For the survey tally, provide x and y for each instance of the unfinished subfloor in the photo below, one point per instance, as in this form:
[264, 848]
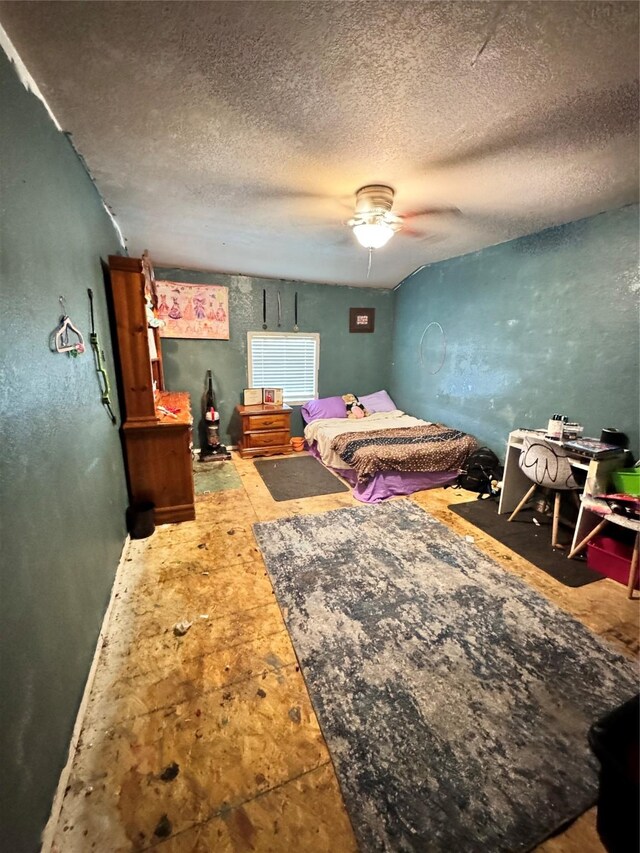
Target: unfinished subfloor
[208, 741]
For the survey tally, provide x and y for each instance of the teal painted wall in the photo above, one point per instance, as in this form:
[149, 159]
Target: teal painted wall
[62, 486]
[541, 324]
[547, 323]
[359, 363]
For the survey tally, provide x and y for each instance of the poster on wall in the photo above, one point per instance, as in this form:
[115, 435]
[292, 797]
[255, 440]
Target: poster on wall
[193, 310]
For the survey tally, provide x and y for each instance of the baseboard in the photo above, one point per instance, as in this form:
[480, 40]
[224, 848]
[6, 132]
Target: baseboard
[195, 451]
[49, 831]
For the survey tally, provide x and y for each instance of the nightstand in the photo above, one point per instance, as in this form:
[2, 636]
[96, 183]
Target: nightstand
[265, 430]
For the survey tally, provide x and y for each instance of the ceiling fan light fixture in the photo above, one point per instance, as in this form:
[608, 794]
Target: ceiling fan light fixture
[373, 235]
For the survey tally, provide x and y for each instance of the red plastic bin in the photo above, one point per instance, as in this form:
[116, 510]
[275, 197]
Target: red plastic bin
[611, 557]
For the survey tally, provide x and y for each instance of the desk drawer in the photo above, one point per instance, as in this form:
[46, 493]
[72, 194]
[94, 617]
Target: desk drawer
[275, 421]
[266, 439]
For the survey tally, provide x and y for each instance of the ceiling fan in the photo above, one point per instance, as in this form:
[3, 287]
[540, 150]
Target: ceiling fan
[373, 222]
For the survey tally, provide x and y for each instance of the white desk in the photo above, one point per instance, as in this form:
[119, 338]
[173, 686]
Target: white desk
[515, 484]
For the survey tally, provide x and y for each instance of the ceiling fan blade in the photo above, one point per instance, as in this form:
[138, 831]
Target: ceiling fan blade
[290, 193]
[433, 211]
[264, 192]
[411, 232]
[590, 117]
[423, 236]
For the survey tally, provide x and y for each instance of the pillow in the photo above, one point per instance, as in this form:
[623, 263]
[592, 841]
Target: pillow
[325, 407]
[378, 402]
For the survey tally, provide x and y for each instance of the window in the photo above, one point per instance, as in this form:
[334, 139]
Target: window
[285, 360]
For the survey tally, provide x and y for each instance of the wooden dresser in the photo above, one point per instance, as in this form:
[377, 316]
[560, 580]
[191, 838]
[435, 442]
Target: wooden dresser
[265, 430]
[157, 445]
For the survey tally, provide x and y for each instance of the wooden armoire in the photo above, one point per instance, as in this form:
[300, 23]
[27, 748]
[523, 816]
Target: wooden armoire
[157, 445]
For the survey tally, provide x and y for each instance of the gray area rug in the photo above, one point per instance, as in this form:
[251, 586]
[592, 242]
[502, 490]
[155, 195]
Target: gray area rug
[294, 477]
[454, 699]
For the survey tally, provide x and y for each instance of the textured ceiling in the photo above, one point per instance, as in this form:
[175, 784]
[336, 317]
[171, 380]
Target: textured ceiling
[232, 136]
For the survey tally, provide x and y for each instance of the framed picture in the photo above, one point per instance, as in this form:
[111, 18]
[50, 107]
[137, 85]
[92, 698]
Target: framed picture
[193, 310]
[252, 396]
[361, 319]
[272, 396]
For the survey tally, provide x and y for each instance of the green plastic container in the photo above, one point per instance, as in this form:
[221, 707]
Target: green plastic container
[627, 481]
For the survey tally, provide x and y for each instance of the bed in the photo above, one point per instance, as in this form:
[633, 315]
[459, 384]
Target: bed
[387, 453]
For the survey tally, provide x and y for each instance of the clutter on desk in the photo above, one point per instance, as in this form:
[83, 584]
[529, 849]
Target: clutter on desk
[611, 435]
[593, 449]
[556, 426]
[560, 428]
[168, 411]
[572, 431]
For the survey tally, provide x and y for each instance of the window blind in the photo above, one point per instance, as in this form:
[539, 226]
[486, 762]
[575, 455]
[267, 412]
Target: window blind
[287, 361]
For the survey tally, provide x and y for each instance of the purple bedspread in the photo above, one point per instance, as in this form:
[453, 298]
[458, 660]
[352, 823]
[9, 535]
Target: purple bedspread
[386, 484]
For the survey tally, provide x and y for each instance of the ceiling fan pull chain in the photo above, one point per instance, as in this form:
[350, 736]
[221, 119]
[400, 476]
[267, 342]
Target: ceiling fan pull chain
[369, 263]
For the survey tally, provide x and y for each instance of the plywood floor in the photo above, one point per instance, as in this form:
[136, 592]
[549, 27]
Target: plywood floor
[208, 741]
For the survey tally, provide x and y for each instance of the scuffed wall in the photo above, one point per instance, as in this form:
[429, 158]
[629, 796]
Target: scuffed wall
[349, 362]
[62, 486]
[547, 323]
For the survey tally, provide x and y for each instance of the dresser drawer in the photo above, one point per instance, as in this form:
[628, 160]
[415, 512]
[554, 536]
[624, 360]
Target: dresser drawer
[263, 430]
[275, 421]
[265, 439]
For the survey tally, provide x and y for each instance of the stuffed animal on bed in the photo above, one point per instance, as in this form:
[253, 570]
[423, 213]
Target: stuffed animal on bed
[355, 409]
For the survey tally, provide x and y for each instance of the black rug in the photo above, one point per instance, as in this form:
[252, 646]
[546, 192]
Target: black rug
[527, 539]
[297, 477]
[454, 699]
